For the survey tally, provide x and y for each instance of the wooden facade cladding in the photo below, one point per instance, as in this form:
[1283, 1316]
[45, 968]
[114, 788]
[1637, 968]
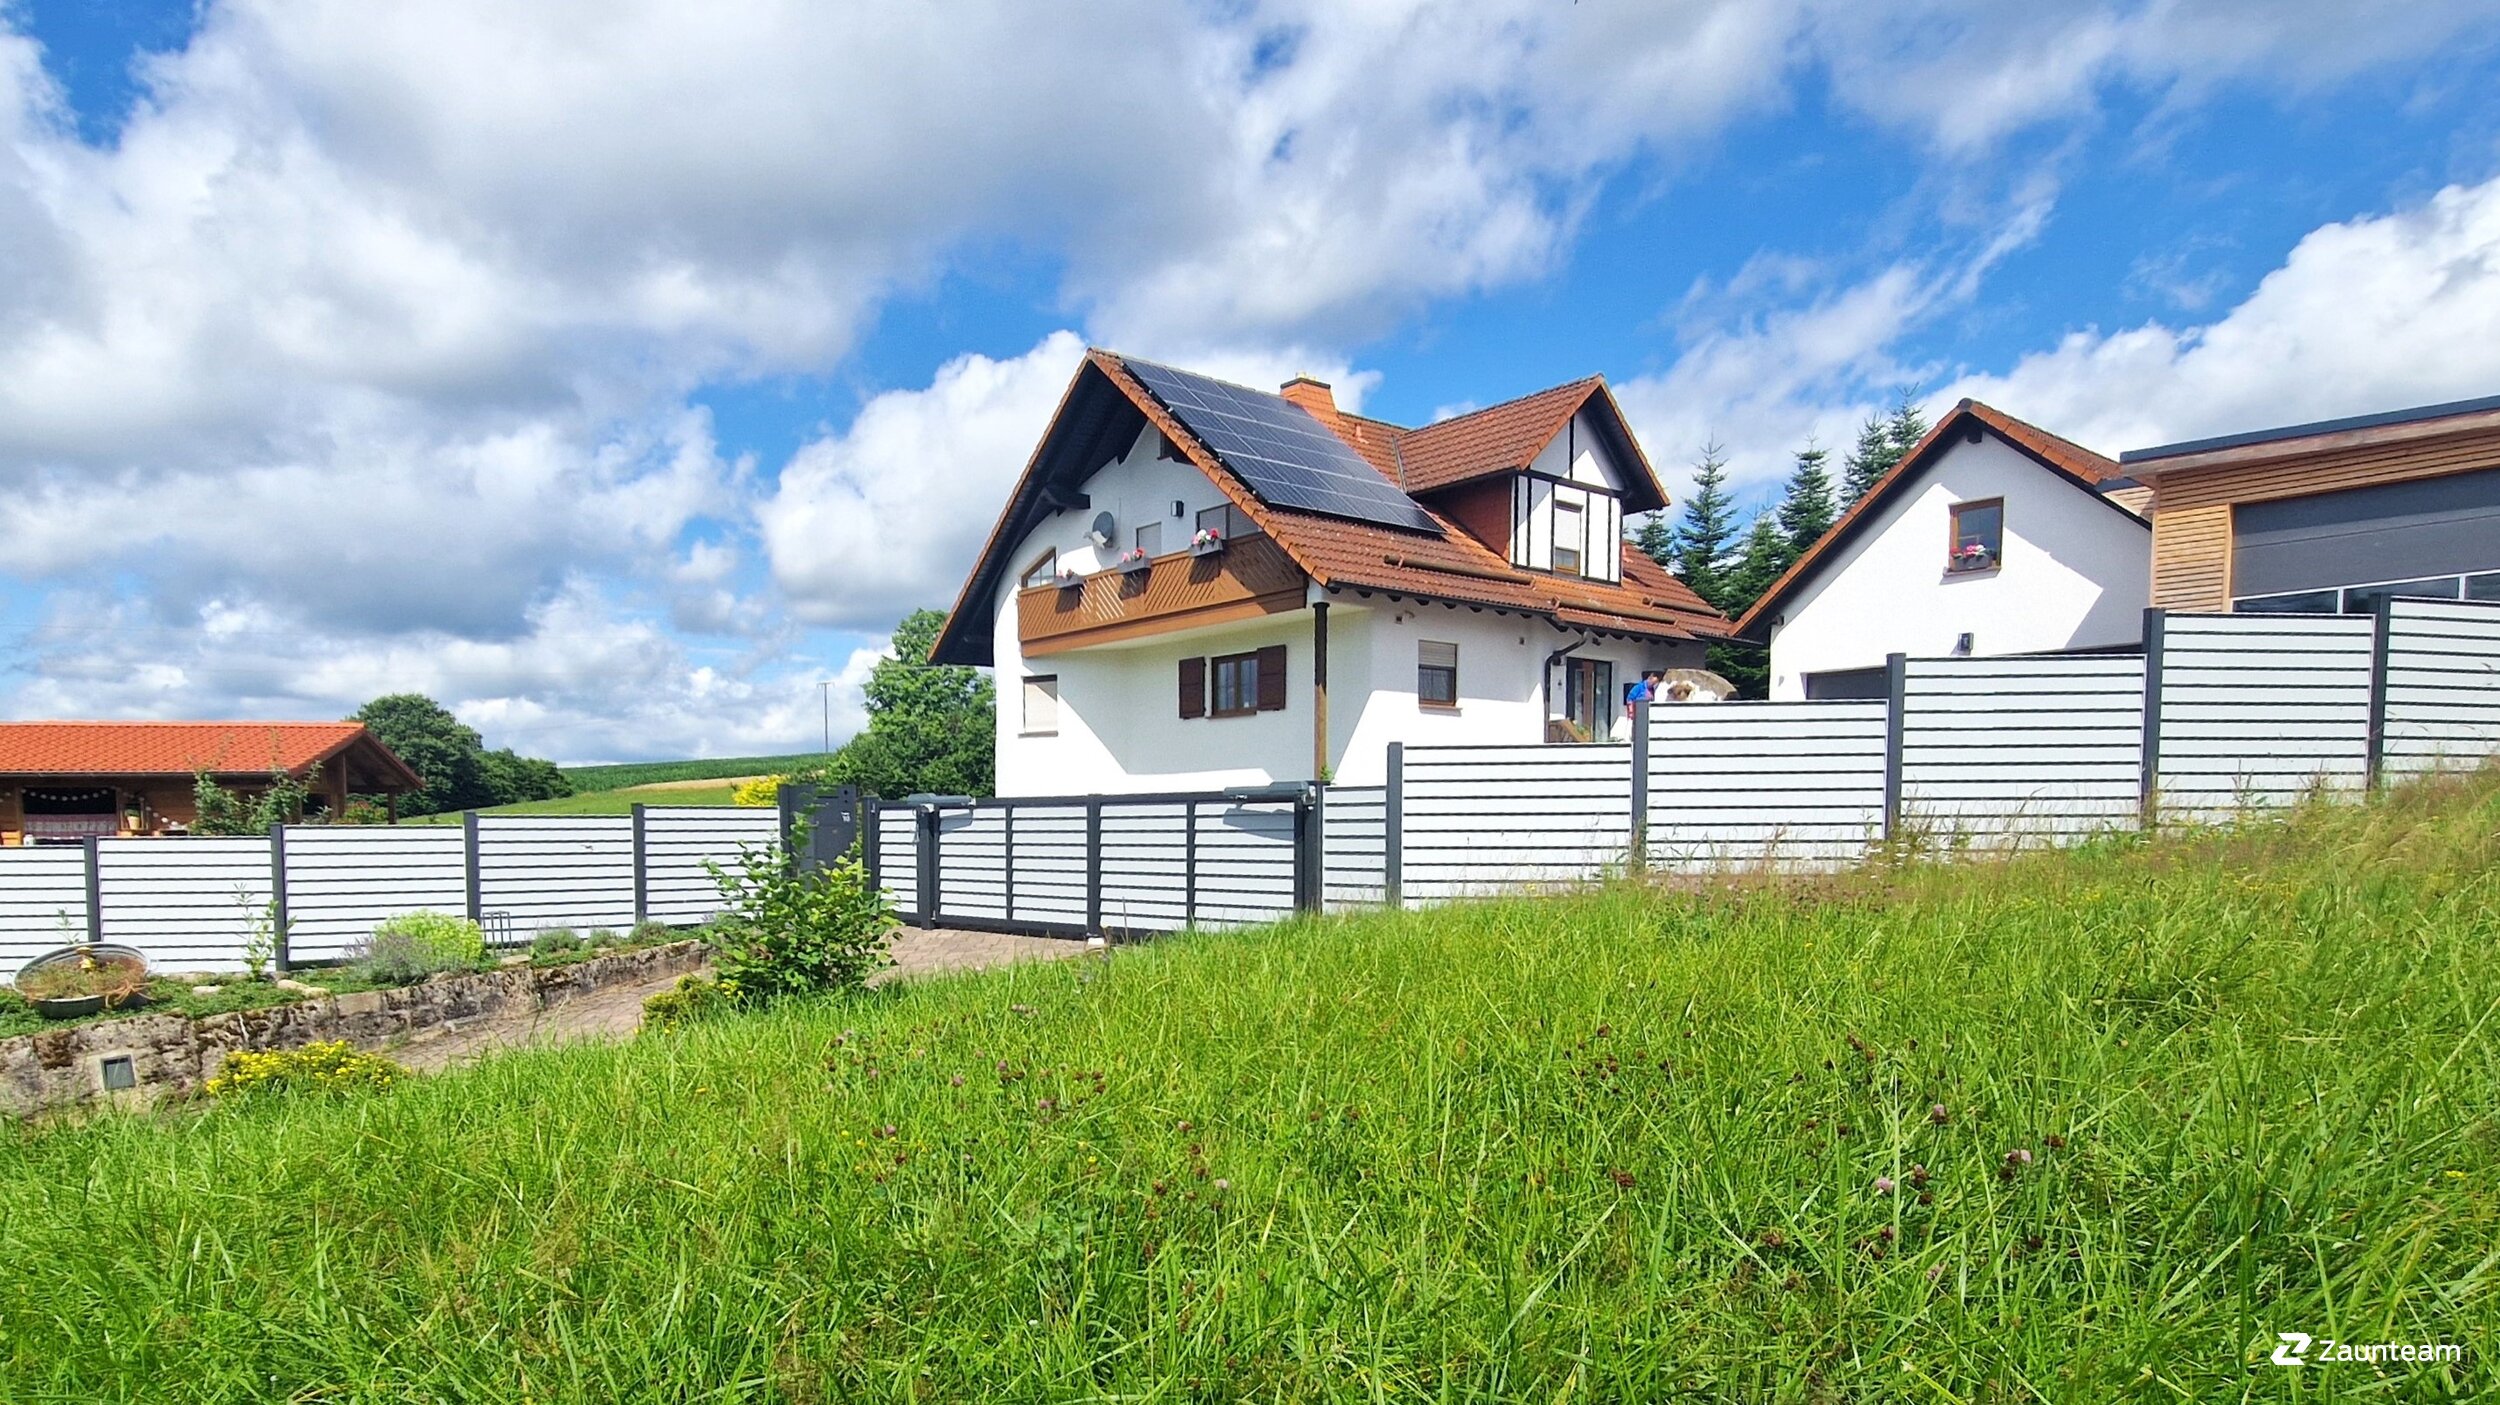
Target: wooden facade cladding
[2193, 494]
[2192, 558]
[1248, 578]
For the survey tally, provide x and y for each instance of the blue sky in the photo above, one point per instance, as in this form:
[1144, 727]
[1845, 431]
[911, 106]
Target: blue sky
[615, 372]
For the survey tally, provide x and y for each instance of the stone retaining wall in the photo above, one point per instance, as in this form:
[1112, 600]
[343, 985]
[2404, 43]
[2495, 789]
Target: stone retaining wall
[172, 1053]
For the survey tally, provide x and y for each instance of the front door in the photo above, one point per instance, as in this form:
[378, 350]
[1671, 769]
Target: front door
[1589, 698]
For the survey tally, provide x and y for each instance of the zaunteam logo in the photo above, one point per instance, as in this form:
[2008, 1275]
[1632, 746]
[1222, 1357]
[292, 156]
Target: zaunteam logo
[2302, 1349]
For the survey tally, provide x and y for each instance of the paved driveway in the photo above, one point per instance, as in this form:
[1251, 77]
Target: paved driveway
[921, 952]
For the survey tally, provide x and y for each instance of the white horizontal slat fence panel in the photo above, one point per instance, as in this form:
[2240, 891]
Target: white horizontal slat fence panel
[1145, 866]
[188, 903]
[1477, 819]
[1244, 864]
[898, 857]
[972, 864]
[557, 871]
[1785, 785]
[1047, 867]
[2443, 685]
[343, 880]
[2013, 750]
[2258, 710]
[1354, 856]
[678, 840]
[43, 901]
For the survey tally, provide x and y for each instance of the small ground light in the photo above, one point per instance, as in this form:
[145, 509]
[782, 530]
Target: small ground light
[119, 1073]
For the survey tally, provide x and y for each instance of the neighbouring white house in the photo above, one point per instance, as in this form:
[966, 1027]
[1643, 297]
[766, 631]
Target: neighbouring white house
[1196, 584]
[1991, 536]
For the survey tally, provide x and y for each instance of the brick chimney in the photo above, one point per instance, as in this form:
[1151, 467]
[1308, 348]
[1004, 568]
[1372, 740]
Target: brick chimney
[1312, 395]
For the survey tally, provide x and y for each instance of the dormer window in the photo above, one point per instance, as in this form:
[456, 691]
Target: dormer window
[1571, 535]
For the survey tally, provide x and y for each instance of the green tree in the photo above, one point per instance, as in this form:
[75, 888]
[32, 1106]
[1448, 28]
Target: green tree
[511, 777]
[217, 810]
[460, 773]
[1869, 460]
[1907, 425]
[931, 727]
[1696, 550]
[1765, 554]
[1806, 510]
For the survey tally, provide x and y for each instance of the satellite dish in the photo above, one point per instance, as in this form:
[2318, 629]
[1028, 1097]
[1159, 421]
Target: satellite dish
[1102, 529]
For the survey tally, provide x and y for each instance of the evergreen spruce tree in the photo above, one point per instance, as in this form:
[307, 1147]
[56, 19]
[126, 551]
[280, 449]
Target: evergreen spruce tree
[1806, 511]
[1869, 460]
[1907, 426]
[1697, 548]
[1765, 554]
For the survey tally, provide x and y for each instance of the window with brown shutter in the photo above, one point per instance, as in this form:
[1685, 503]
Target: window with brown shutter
[1194, 687]
[1272, 678]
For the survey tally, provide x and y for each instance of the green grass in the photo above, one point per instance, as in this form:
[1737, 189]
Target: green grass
[596, 802]
[633, 773]
[1621, 1146]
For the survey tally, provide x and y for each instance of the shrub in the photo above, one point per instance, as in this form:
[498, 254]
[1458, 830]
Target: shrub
[602, 936]
[554, 941]
[694, 998]
[761, 793]
[795, 931]
[332, 1066]
[414, 945]
[651, 933]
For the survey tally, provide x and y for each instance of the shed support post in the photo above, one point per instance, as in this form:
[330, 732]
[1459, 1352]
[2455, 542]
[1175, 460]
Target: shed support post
[1640, 784]
[277, 913]
[1393, 830]
[469, 853]
[2382, 622]
[2148, 782]
[95, 895]
[642, 868]
[1896, 688]
[1093, 867]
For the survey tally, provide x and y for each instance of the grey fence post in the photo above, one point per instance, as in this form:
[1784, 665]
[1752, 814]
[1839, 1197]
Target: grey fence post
[926, 817]
[1393, 829]
[642, 869]
[477, 886]
[95, 895]
[871, 831]
[1308, 836]
[2148, 784]
[1189, 863]
[1093, 867]
[277, 898]
[1896, 689]
[1640, 784]
[2382, 623]
[1007, 867]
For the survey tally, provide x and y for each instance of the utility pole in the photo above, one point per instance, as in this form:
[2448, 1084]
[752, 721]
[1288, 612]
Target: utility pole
[824, 694]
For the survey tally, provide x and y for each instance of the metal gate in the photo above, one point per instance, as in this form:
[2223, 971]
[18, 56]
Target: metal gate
[1088, 865]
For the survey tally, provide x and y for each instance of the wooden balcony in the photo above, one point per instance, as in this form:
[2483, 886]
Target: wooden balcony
[1249, 578]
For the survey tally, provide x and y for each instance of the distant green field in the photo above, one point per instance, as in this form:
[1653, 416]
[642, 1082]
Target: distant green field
[601, 802]
[588, 778]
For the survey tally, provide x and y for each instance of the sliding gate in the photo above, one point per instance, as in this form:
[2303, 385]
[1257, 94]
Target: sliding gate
[1091, 865]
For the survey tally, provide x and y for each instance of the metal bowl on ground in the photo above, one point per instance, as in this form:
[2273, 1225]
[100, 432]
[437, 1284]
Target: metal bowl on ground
[71, 1007]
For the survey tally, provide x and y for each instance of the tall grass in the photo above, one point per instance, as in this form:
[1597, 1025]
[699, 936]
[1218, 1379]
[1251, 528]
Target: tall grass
[1631, 1145]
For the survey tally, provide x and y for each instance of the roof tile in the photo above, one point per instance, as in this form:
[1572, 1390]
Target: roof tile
[169, 748]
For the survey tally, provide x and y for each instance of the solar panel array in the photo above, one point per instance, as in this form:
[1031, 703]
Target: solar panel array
[1286, 456]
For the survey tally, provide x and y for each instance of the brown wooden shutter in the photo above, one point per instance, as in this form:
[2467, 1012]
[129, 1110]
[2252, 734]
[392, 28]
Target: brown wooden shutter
[1272, 678]
[1194, 687]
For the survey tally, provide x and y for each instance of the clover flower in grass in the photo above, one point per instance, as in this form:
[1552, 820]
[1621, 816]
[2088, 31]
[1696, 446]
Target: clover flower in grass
[1883, 1185]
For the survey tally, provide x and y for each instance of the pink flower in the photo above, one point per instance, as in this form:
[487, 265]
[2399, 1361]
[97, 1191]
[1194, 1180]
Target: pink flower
[1883, 1185]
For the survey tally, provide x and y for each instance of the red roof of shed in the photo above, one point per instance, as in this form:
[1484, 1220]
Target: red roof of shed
[181, 748]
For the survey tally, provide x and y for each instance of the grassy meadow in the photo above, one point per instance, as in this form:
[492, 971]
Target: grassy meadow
[601, 802]
[2071, 1127]
[638, 773]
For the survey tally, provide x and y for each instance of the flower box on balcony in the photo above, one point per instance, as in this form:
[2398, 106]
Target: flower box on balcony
[1969, 559]
[1135, 561]
[1068, 580]
[1207, 543]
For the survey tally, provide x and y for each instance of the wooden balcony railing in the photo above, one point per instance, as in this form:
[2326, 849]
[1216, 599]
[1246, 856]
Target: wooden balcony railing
[1249, 578]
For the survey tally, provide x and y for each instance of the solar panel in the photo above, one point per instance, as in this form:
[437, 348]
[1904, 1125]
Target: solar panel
[1285, 454]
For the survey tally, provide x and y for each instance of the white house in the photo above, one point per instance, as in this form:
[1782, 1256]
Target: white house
[1991, 536]
[1196, 584]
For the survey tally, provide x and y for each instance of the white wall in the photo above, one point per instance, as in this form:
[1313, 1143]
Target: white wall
[1573, 455]
[2076, 573]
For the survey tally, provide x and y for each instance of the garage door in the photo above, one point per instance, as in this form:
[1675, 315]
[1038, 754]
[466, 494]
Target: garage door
[2420, 531]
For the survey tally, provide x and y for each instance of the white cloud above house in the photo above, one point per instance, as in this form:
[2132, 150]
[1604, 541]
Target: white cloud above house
[384, 329]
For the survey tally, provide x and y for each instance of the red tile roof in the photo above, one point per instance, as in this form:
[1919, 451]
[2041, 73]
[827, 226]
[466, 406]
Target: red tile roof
[177, 748]
[1496, 439]
[1347, 554]
[2062, 456]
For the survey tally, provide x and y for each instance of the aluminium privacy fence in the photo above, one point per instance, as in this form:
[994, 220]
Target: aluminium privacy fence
[190, 903]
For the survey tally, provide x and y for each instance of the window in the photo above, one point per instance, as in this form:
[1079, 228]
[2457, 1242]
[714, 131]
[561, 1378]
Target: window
[1041, 705]
[1571, 536]
[1228, 521]
[1588, 701]
[1978, 536]
[1436, 674]
[1150, 539]
[1234, 685]
[2363, 599]
[1042, 569]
